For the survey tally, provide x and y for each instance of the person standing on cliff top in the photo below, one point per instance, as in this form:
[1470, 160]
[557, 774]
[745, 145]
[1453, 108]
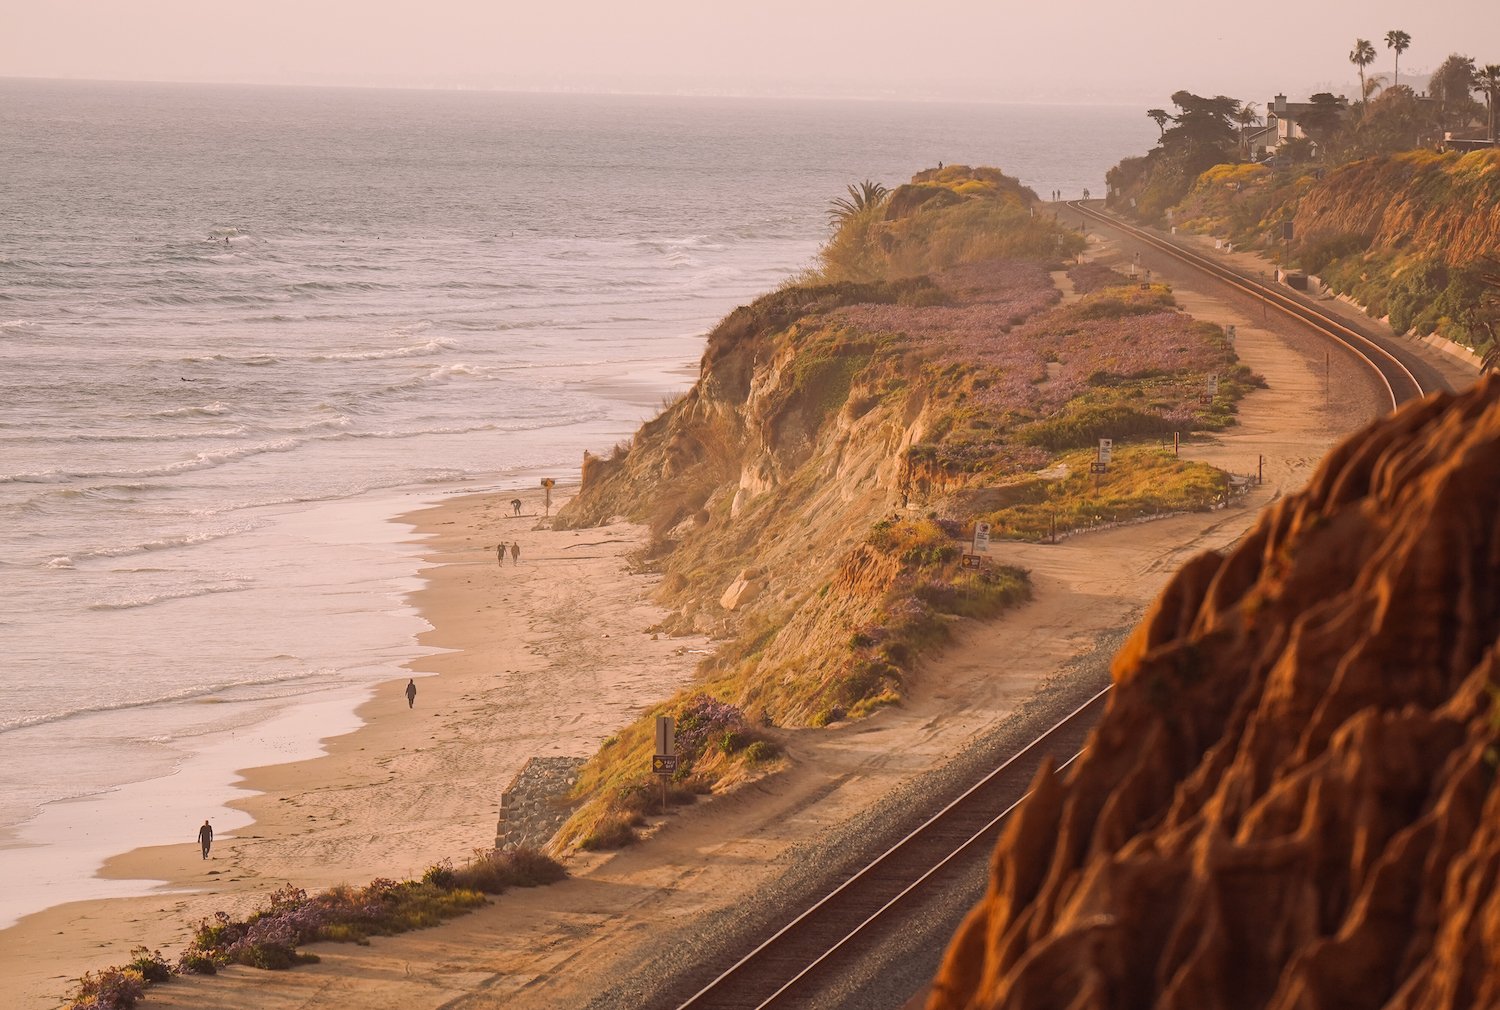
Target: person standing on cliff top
[206, 837]
[515, 552]
[411, 694]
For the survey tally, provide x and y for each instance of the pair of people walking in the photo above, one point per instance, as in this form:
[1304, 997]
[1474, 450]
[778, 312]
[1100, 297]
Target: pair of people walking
[515, 553]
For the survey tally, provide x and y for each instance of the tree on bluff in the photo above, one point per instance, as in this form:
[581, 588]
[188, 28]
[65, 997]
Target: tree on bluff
[1452, 86]
[1203, 134]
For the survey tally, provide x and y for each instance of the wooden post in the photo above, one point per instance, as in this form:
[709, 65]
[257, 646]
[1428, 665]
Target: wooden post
[1175, 443]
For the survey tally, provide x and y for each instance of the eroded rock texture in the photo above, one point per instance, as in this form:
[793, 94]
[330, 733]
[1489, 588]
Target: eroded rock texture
[1291, 801]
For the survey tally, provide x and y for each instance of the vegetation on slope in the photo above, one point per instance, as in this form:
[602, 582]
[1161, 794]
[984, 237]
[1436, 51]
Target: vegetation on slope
[1379, 215]
[272, 936]
[809, 499]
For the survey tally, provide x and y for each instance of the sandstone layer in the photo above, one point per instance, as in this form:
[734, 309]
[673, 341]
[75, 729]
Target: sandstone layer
[1291, 800]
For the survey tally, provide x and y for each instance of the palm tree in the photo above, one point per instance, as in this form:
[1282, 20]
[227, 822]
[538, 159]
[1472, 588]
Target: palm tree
[1487, 79]
[862, 197]
[1362, 55]
[1400, 41]
[1161, 118]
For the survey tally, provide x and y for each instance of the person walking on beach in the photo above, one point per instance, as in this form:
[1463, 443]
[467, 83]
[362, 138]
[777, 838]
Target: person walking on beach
[515, 552]
[515, 504]
[500, 554]
[411, 694]
[206, 837]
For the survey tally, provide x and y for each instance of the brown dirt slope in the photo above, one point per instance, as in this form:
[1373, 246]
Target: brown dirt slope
[1291, 801]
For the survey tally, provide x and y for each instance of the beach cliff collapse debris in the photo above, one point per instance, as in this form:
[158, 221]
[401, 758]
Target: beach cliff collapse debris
[1291, 800]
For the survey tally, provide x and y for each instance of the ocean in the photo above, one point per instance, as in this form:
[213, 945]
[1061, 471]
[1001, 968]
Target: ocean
[243, 328]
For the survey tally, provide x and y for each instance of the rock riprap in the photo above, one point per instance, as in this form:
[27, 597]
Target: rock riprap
[536, 803]
[1291, 800]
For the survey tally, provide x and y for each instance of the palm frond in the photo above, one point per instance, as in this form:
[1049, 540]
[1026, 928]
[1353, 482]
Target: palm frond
[862, 197]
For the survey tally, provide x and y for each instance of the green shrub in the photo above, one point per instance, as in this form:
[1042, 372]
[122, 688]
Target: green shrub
[613, 831]
[493, 871]
[440, 875]
[151, 965]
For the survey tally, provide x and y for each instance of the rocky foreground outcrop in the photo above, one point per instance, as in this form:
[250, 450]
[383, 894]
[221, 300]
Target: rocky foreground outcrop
[1291, 801]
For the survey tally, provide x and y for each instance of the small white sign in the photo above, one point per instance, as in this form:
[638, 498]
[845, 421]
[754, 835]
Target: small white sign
[1106, 449]
[981, 538]
[1213, 386]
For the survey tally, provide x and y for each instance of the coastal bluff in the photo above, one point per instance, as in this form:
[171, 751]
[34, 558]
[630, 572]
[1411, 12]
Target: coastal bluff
[1291, 801]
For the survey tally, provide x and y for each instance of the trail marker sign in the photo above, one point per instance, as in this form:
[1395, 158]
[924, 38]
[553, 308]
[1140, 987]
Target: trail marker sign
[1098, 468]
[664, 762]
[971, 561]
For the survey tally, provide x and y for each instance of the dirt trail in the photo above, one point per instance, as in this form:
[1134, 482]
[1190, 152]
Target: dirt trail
[559, 946]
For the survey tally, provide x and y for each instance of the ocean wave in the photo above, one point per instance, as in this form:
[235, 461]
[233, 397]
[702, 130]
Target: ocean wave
[214, 409]
[252, 360]
[125, 550]
[200, 461]
[315, 286]
[151, 600]
[186, 694]
[435, 346]
[238, 431]
[17, 326]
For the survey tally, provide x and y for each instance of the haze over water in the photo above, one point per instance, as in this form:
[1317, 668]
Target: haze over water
[242, 327]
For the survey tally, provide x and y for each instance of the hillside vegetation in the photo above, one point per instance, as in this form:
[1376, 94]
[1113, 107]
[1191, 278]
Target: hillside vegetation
[1413, 236]
[1409, 233]
[809, 499]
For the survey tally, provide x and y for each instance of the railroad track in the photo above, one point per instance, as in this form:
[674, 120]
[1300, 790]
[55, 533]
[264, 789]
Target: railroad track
[1394, 376]
[781, 970]
[787, 968]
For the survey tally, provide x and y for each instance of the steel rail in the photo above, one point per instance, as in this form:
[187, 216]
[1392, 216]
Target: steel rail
[735, 987]
[1399, 382]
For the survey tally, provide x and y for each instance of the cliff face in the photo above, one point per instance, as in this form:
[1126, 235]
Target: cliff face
[1291, 800]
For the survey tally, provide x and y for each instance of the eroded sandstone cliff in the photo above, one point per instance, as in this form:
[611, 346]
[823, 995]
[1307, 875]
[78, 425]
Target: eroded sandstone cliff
[1291, 801]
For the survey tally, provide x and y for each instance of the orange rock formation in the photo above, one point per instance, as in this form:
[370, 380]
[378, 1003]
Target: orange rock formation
[1291, 801]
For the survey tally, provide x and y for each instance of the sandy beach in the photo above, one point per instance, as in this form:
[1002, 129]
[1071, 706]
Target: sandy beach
[413, 786]
[550, 656]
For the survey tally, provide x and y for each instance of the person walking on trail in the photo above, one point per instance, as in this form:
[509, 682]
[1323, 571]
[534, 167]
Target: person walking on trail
[500, 554]
[206, 837]
[515, 552]
[411, 694]
[515, 504]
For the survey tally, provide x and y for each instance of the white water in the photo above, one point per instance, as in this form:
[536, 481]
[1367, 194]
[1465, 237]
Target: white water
[240, 328]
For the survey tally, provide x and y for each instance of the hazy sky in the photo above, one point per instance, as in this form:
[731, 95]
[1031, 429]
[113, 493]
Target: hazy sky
[1039, 50]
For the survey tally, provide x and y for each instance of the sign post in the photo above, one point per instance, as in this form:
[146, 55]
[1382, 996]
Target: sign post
[547, 485]
[664, 762]
[981, 538]
[1101, 464]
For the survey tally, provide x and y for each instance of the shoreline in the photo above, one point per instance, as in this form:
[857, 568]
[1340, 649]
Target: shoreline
[697, 861]
[326, 819]
[203, 757]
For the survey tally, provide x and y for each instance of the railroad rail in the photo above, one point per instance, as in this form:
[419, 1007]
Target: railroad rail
[782, 970]
[775, 973]
[1397, 380]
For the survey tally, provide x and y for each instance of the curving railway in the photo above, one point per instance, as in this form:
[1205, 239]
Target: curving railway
[1391, 367]
[795, 965]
